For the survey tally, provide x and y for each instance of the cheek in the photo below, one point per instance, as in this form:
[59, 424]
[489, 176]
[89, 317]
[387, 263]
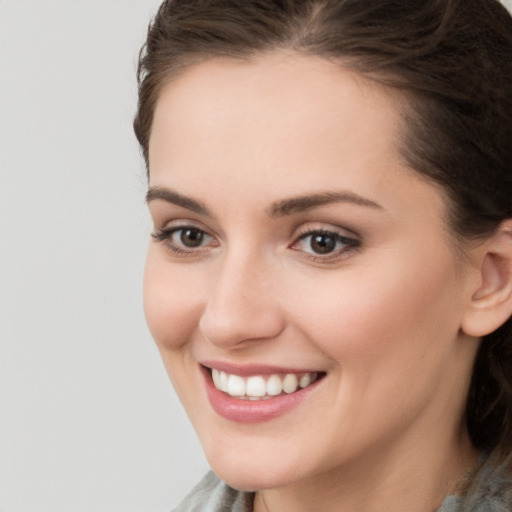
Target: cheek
[390, 314]
[172, 302]
[391, 338]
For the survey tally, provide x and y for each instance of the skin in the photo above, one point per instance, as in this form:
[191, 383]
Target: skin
[384, 429]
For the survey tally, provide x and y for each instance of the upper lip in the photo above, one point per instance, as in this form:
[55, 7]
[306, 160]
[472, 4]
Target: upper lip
[245, 370]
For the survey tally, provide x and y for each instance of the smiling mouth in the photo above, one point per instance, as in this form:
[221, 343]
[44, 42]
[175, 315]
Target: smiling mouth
[262, 387]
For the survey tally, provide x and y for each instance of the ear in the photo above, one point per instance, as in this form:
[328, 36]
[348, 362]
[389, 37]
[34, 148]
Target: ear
[491, 303]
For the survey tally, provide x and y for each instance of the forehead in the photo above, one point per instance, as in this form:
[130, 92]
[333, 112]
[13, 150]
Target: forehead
[277, 126]
[278, 99]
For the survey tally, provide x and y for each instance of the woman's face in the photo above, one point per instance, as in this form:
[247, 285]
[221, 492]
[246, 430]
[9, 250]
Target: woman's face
[293, 247]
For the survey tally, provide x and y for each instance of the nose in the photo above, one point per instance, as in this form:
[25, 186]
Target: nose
[242, 305]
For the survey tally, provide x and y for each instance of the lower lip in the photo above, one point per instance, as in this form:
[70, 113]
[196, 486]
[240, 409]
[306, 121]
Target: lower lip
[253, 411]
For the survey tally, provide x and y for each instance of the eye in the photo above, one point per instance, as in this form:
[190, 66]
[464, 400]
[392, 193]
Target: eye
[322, 244]
[184, 240]
[190, 237]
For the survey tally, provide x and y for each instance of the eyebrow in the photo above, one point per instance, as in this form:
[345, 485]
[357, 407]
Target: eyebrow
[277, 209]
[169, 196]
[307, 202]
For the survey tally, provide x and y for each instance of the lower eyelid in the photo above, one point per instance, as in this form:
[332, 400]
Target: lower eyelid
[336, 255]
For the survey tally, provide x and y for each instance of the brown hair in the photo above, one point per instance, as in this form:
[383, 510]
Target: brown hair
[451, 60]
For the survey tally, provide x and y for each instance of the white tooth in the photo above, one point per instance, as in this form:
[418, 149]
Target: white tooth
[223, 381]
[290, 383]
[274, 386]
[305, 380]
[255, 386]
[236, 386]
[215, 377]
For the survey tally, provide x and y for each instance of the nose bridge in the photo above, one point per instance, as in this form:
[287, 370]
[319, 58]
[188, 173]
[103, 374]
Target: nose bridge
[242, 304]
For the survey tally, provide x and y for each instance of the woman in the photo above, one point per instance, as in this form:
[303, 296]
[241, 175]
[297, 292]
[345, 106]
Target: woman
[329, 281]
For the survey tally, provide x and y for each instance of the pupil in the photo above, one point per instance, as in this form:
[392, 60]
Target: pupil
[323, 243]
[191, 237]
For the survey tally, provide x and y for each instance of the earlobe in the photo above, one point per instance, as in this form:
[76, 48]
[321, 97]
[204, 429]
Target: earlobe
[491, 303]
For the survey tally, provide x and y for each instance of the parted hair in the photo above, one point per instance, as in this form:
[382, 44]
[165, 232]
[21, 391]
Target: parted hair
[451, 63]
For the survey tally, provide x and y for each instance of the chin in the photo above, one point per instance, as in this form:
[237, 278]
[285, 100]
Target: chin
[252, 468]
[252, 479]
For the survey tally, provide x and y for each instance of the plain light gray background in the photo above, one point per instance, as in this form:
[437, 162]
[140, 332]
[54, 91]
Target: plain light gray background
[89, 422]
[88, 419]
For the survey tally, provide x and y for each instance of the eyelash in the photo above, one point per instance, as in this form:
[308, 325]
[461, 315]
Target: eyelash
[165, 235]
[349, 244]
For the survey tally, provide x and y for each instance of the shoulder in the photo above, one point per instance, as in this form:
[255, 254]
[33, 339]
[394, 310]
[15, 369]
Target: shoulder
[491, 491]
[213, 495]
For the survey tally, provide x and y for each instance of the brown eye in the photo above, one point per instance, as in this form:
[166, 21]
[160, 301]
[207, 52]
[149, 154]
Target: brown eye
[323, 243]
[186, 240]
[191, 237]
